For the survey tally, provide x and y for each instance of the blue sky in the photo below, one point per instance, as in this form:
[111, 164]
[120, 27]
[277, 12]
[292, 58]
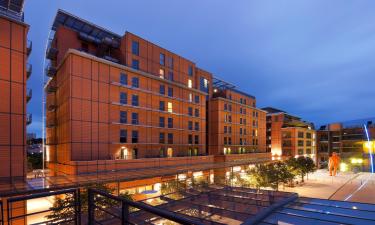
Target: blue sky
[312, 58]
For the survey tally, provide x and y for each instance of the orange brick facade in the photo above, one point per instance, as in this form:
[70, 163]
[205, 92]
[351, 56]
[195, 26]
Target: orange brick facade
[235, 125]
[13, 77]
[121, 98]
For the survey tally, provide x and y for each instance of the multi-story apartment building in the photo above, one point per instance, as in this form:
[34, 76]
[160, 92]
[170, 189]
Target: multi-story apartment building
[236, 126]
[288, 135]
[14, 72]
[113, 97]
[349, 139]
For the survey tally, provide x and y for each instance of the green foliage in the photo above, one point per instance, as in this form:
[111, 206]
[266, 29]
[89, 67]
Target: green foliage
[34, 161]
[63, 207]
[301, 166]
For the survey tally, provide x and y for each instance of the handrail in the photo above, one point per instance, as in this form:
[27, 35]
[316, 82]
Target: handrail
[139, 205]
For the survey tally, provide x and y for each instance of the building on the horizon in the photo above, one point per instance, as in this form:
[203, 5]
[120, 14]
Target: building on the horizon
[235, 125]
[289, 135]
[14, 73]
[113, 97]
[349, 139]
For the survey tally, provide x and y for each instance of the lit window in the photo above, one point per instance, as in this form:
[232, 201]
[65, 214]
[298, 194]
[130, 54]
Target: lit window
[161, 73]
[170, 106]
[190, 97]
[190, 83]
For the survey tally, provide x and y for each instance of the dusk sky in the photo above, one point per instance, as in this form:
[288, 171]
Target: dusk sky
[313, 59]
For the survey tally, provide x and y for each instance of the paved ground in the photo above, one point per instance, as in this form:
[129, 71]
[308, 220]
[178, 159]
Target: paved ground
[344, 187]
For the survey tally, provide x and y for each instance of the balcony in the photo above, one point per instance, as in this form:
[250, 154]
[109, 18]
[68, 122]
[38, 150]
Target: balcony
[29, 47]
[51, 52]
[29, 119]
[51, 107]
[29, 94]
[50, 70]
[29, 70]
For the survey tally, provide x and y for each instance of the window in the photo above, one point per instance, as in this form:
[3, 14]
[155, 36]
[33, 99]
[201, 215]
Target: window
[230, 108]
[170, 62]
[300, 151]
[135, 118]
[308, 143]
[197, 126]
[196, 139]
[241, 100]
[308, 151]
[225, 129]
[300, 143]
[190, 139]
[162, 106]
[240, 120]
[244, 131]
[230, 130]
[225, 106]
[123, 79]
[135, 47]
[162, 59]
[190, 97]
[308, 135]
[300, 134]
[134, 136]
[170, 76]
[135, 64]
[225, 140]
[123, 117]
[84, 47]
[123, 136]
[196, 99]
[244, 121]
[170, 107]
[240, 130]
[203, 84]
[135, 101]
[170, 138]
[190, 70]
[196, 112]
[161, 138]
[161, 73]
[229, 140]
[240, 110]
[162, 89]
[170, 122]
[170, 92]
[123, 98]
[135, 82]
[229, 118]
[240, 141]
[190, 125]
[190, 83]
[190, 111]
[161, 122]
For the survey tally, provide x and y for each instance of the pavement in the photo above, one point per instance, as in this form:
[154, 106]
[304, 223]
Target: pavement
[345, 186]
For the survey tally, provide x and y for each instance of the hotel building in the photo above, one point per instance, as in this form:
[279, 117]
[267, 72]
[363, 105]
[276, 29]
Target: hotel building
[14, 72]
[289, 136]
[349, 139]
[114, 97]
[236, 126]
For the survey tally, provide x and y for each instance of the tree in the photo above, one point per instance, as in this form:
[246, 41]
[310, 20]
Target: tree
[301, 166]
[282, 174]
[63, 207]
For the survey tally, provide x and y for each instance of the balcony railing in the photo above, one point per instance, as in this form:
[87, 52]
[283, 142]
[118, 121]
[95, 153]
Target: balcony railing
[50, 70]
[29, 47]
[51, 52]
[29, 94]
[29, 70]
[29, 118]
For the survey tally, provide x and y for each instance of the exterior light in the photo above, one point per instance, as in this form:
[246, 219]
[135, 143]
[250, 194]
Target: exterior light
[215, 90]
[181, 176]
[343, 167]
[236, 169]
[356, 161]
[198, 174]
[157, 187]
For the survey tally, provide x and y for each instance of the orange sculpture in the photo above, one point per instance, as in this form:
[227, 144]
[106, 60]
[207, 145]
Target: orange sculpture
[333, 163]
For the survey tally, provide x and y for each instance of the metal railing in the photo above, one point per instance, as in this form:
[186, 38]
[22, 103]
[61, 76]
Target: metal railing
[29, 94]
[29, 70]
[75, 206]
[120, 210]
[50, 70]
[29, 47]
[12, 14]
[29, 118]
